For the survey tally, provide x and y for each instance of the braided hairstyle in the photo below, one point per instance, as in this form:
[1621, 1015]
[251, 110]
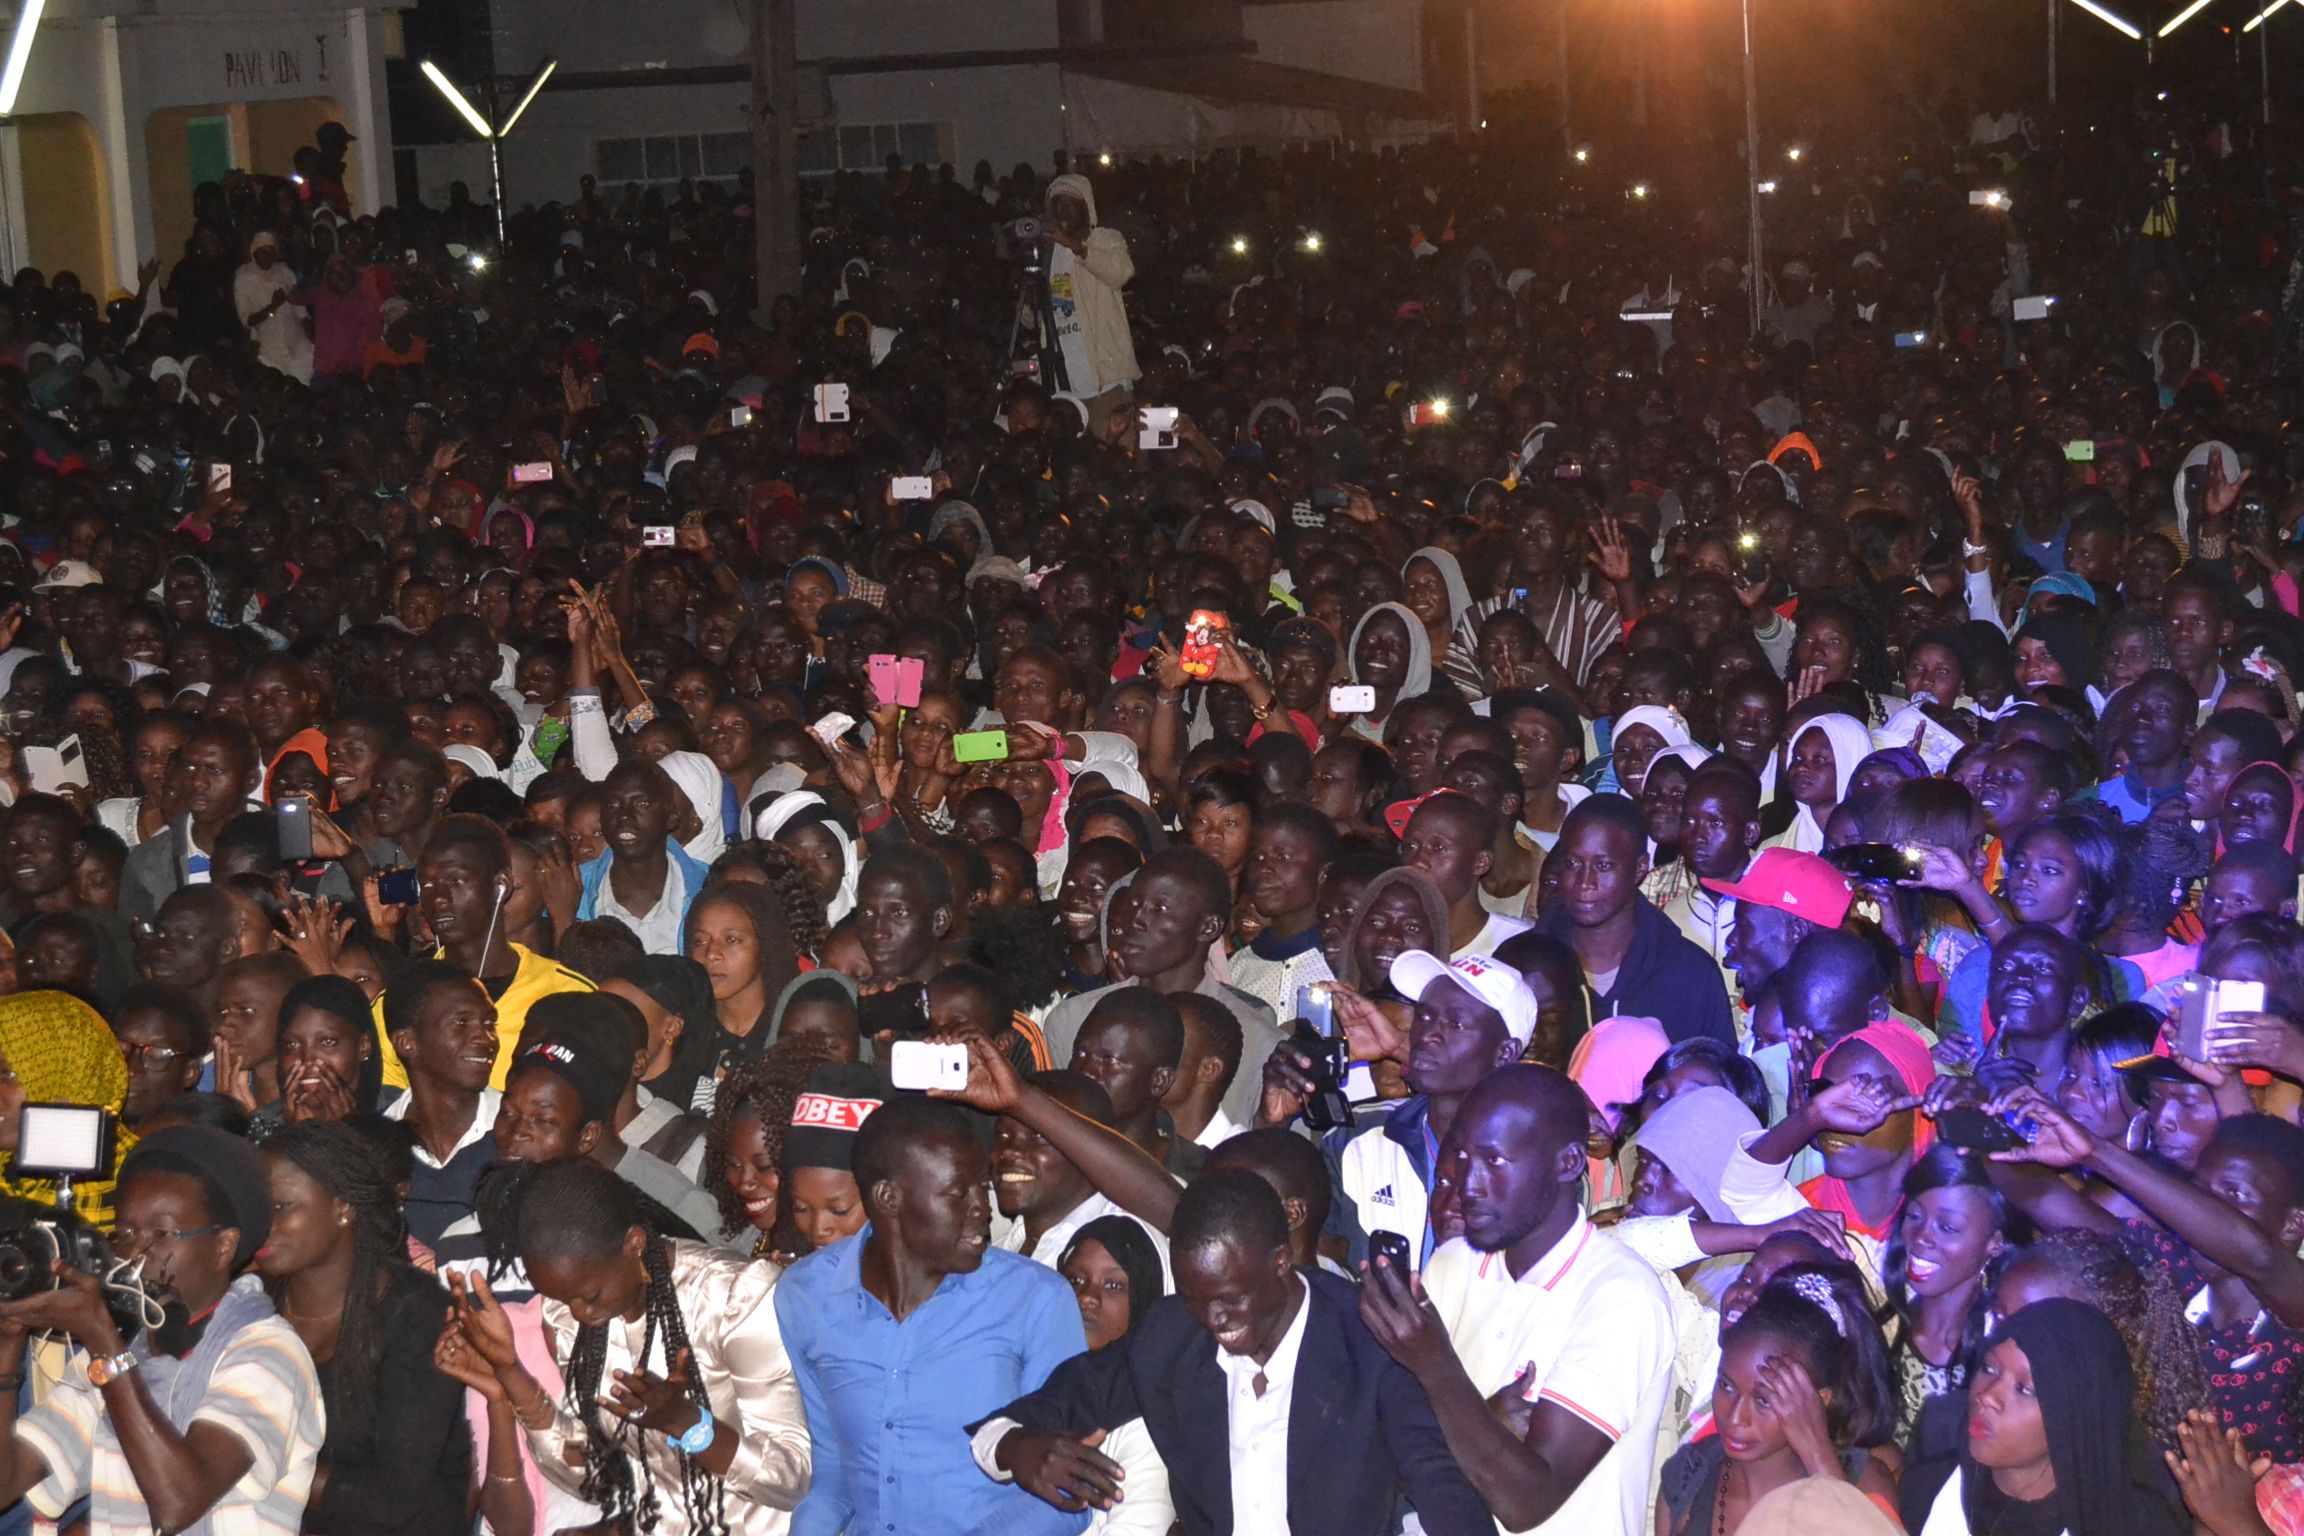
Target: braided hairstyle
[2144, 1306]
[576, 1208]
[345, 1163]
[768, 1086]
[803, 903]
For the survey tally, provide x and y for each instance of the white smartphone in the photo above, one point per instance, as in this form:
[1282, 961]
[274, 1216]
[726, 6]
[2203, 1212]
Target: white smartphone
[831, 402]
[49, 769]
[740, 416]
[219, 477]
[529, 474]
[832, 727]
[924, 1064]
[656, 537]
[1351, 699]
[912, 488]
[2034, 308]
[1158, 431]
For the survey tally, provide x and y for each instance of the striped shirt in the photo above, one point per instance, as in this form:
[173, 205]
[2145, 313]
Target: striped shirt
[263, 1393]
[1578, 628]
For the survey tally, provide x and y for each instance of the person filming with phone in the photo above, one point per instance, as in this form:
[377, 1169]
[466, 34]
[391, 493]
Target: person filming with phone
[1088, 265]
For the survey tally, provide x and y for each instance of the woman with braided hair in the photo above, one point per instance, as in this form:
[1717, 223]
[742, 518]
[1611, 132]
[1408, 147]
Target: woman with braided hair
[2092, 1268]
[680, 1412]
[396, 1457]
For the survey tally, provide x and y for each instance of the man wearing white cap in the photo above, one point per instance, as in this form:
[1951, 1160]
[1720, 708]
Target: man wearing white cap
[1472, 1017]
[260, 292]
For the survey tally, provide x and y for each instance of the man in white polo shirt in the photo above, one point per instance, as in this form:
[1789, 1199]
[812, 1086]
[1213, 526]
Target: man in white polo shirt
[1544, 1345]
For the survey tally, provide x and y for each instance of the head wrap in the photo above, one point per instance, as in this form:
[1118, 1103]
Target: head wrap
[1851, 744]
[2085, 1383]
[805, 808]
[61, 1051]
[1817, 1506]
[1907, 1054]
[700, 779]
[1132, 1250]
[1900, 760]
[832, 573]
[1693, 1134]
[1612, 1060]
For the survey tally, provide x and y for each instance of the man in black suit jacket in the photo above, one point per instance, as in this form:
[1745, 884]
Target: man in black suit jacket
[1245, 1329]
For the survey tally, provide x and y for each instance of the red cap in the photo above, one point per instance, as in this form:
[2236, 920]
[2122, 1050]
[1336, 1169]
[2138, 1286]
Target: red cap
[1803, 884]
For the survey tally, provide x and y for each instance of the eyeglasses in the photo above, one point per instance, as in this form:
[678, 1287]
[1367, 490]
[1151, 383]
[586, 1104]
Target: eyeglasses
[159, 1055]
[129, 1237]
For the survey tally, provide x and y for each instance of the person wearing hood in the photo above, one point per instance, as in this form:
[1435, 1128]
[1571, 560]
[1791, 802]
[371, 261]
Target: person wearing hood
[1088, 265]
[1390, 653]
[1433, 583]
[260, 291]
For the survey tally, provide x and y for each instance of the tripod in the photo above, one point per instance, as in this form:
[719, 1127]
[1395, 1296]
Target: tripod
[1034, 300]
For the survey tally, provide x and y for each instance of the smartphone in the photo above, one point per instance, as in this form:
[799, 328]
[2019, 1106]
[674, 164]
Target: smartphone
[1991, 199]
[740, 416]
[1427, 413]
[2200, 1000]
[895, 679]
[1392, 1248]
[1906, 340]
[292, 818]
[832, 727]
[656, 536]
[1568, 472]
[219, 477]
[980, 747]
[1330, 498]
[598, 389]
[1875, 861]
[924, 1064]
[2035, 308]
[1200, 649]
[902, 1012]
[912, 488]
[1975, 1130]
[831, 402]
[1752, 560]
[50, 769]
[2080, 450]
[529, 474]
[1351, 699]
[397, 887]
[1157, 427]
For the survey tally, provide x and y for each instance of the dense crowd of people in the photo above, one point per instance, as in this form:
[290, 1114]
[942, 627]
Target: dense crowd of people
[1330, 842]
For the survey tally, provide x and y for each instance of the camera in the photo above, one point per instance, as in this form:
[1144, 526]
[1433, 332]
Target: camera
[1327, 1108]
[1028, 229]
[34, 1236]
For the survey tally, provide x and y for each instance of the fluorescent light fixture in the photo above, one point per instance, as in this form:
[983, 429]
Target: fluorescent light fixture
[456, 99]
[2183, 16]
[2110, 20]
[545, 73]
[19, 53]
[2250, 27]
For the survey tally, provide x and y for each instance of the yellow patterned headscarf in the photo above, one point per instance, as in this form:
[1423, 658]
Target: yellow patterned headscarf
[63, 1052]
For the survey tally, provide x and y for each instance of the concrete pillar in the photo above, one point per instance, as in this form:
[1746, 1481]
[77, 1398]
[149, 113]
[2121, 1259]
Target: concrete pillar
[119, 124]
[366, 105]
[15, 226]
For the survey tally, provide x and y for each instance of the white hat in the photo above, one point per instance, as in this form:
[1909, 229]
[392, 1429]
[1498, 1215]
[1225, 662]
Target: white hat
[263, 237]
[68, 573]
[1484, 976]
[1255, 511]
[482, 765]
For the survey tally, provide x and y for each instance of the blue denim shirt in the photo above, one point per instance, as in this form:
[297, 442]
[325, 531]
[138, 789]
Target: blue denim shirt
[889, 1402]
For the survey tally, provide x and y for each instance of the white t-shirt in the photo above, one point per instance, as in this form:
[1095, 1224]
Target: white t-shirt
[659, 927]
[1495, 931]
[1057, 1238]
[1590, 1319]
[1079, 371]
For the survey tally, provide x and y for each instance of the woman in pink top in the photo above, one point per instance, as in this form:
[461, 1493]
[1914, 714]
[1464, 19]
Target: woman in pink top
[347, 314]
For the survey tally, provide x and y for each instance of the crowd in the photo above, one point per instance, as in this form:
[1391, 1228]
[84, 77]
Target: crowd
[1277, 844]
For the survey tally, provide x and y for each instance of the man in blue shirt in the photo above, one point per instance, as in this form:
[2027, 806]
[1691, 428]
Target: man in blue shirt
[913, 1328]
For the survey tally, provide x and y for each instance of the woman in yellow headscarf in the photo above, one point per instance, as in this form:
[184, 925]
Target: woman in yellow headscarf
[55, 1049]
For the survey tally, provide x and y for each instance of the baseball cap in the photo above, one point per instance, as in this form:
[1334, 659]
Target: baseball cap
[1803, 884]
[68, 573]
[1484, 976]
[702, 341]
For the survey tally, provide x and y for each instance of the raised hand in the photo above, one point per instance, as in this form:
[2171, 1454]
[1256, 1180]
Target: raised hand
[2217, 1476]
[315, 931]
[233, 1080]
[993, 1085]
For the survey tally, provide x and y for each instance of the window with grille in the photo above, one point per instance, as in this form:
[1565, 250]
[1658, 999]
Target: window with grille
[663, 160]
[867, 146]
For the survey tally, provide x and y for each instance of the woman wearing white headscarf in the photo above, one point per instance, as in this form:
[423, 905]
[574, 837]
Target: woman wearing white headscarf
[1638, 736]
[1435, 592]
[801, 822]
[1823, 759]
[701, 781]
[1395, 669]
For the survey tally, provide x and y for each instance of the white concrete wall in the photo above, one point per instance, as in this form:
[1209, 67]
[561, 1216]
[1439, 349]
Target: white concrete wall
[1380, 41]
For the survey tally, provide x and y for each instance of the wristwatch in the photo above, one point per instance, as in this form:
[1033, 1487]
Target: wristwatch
[103, 1370]
[699, 1436]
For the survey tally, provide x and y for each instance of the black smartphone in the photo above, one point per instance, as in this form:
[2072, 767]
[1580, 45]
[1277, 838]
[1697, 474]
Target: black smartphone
[901, 1011]
[1391, 1246]
[293, 819]
[1751, 561]
[1973, 1130]
[397, 887]
[1875, 861]
[1330, 498]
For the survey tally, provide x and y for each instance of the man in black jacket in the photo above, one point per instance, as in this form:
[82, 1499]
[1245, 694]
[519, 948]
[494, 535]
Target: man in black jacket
[1637, 963]
[1271, 1404]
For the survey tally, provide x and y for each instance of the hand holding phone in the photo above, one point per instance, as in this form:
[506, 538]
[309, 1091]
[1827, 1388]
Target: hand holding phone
[980, 747]
[922, 1065]
[1351, 699]
[1202, 643]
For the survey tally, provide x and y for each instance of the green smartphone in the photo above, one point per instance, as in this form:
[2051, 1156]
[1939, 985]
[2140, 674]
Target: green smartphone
[980, 747]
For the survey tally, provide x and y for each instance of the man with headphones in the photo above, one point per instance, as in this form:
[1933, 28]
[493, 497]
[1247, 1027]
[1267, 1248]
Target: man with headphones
[464, 877]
